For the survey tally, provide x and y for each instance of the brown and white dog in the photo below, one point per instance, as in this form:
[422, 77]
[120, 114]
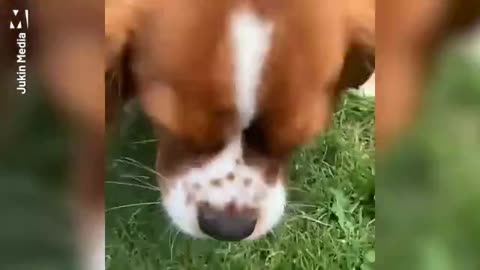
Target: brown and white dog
[232, 87]
[410, 36]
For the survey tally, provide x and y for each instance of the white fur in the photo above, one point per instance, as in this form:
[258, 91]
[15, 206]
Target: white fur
[272, 210]
[269, 200]
[251, 39]
[367, 89]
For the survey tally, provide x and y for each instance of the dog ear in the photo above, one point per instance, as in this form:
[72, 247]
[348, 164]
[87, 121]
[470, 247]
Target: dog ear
[199, 123]
[297, 124]
[160, 104]
[120, 22]
[361, 24]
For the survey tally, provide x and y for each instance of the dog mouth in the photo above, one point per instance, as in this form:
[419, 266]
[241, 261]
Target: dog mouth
[224, 196]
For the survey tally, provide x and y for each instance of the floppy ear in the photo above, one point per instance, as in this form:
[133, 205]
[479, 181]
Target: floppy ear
[359, 62]
[200, 120]
[160, 104]
[361, 24]
[296, 121]
[120, 23]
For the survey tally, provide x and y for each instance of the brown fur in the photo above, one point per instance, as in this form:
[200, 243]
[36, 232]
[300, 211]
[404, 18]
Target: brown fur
[407, 47]
[179, 58]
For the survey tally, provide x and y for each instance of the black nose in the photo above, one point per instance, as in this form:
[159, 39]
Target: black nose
[226, 225]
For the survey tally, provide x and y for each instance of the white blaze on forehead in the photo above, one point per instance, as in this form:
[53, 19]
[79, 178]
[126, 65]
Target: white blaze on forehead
[251, 39]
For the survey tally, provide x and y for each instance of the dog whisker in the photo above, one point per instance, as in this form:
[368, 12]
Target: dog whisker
[131, 205]
[130, 184]
[145, 141]
[137, 164]
[293, 205]
[145, 183]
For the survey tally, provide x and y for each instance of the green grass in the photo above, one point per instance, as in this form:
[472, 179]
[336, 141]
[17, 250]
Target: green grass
[428, 188]
[35, 229]
[428, 195]
[330, 219]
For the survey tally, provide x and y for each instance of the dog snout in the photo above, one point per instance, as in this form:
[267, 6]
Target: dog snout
[228, 224]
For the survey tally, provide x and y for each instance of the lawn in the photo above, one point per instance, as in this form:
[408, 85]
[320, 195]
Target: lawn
[428, 190]
[330, 220]
[428, 194]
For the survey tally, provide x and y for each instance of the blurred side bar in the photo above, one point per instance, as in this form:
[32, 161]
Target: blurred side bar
[52, 136]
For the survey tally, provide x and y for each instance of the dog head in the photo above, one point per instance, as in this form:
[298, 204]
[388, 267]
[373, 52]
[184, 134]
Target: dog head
[232, 89]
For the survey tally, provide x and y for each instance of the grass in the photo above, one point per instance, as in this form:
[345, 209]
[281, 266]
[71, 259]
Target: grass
[35, 230]
[428, 189]
[428, 194]
[330, 219]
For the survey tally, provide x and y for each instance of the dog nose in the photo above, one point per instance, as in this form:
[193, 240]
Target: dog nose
[227, 224]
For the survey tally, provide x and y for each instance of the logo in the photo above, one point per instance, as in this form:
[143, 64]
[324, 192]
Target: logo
[18, 25]
[21, 48]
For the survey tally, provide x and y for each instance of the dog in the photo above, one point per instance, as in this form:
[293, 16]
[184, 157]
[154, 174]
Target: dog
[232, 88]
[408, 46]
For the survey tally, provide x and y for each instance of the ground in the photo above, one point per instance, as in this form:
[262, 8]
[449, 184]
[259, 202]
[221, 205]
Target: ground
[427, 195]
[330, 220]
